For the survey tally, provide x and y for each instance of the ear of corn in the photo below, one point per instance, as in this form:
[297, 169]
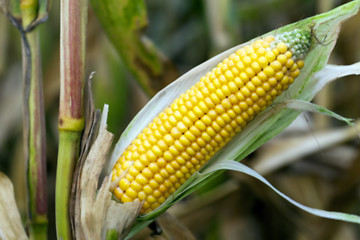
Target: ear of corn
[181, 139]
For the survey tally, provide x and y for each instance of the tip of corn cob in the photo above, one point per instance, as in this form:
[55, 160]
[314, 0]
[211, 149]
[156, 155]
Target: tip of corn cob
[179, 141]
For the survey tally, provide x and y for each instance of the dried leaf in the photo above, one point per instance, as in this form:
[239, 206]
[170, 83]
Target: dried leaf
[10, 221]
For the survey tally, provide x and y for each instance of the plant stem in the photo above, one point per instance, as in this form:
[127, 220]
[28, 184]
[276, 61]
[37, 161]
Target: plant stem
[71, 120]
[34, 126]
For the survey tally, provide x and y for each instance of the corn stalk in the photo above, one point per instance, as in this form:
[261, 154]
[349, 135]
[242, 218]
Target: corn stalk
[71, 119]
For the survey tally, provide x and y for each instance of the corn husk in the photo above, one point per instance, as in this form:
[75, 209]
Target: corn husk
[269, 123]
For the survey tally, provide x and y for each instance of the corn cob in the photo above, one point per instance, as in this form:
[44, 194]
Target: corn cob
[181, 139]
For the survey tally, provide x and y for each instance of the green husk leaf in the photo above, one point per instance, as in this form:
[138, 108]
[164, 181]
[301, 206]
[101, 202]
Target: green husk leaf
[274, 119]
[237, 166]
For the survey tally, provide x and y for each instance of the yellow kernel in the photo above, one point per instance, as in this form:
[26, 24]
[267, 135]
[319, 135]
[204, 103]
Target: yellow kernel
[220, 93]
[206, 119]
[269, 71]
[209, 103]
[131, 193]
[168, 156]
[244, 77]
[243, 106]
[125, 198]
[249, 72]
[169, 169]
[150, 155]
[136, 186]
[210, 131]
[226, 117]
[142, 196]
[186, 122]
[262, 76]
[164, 173]
[225, 104]
[183, 140]
[272, 81]
[285, 80]
[300, 63]
[260, 92]
[141, 179]
[253, 56]
[203, 107]
[222, 79]
[254, 97]
[275, 51]
[138, 165]
[118, 193]
[181, 127]
[190, 136]
[270, 56]
[279, 75]
[240, 66]
[158, 178]
[229, 75]
[240, 96]
[148, 190]
[294, 67]
[273, 92]
[282, 47]
[220, 121]
[157, 194]
[289, 63]
[251, 86]
[124, 184]
[266, 86]
[261, 51]
[194, 130]
[154, 168]
[129, 178]
[192, 116]
[232, 86]
[276, 65]
[215, 98]
[133, 172]
[239, 83]
[161, 162]
[288, 54]
[247, 60]
[282, 59]
[175, 133]
[233, 100]
[205, 137]
[175, 164]
[225, 89]
[256, 67]
[295, 73]
[179, 174]
[244, 90]
[240, 121]
[200, 125]
[263, 62]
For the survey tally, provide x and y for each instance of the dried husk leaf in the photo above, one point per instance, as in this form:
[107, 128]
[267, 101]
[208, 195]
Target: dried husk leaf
[10, 221]
[96, 213]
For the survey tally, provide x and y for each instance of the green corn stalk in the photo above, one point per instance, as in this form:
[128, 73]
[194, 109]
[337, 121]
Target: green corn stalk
[71, 113]
[26, 15]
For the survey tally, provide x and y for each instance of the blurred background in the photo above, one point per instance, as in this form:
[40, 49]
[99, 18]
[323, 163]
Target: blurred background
[316, 161]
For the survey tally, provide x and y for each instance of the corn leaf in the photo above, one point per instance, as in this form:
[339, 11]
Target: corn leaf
[274, 119]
